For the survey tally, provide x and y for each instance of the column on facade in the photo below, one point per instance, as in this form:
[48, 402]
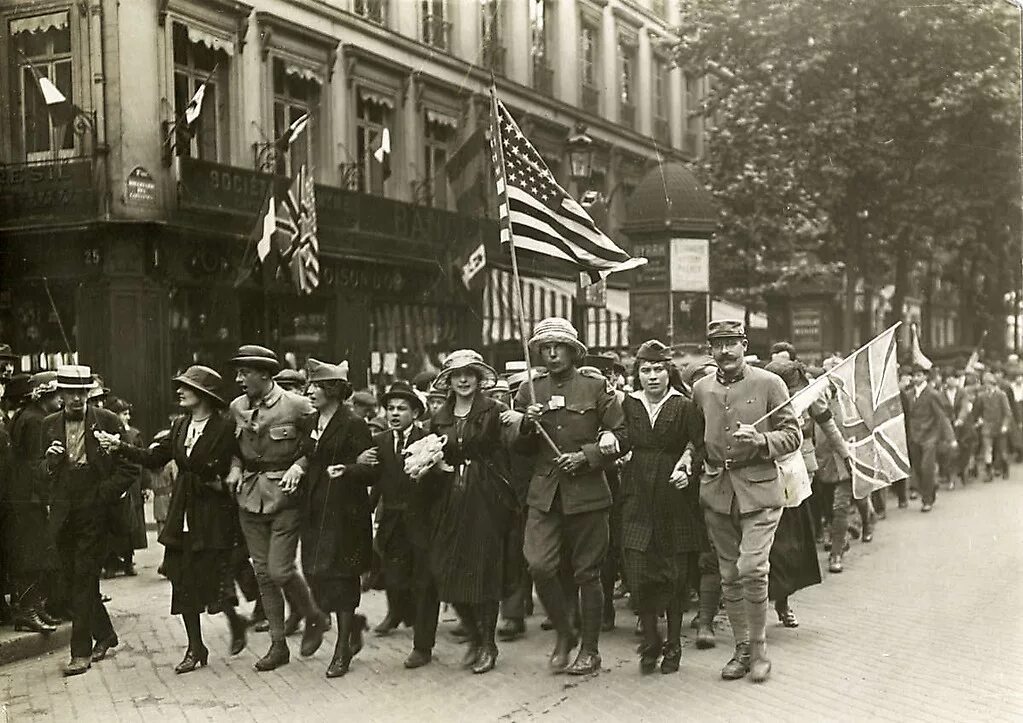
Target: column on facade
[566, 71]
[644, 86]
[517, 41]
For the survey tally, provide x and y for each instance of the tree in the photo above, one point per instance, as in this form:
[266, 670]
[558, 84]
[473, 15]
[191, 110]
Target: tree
[879, 136]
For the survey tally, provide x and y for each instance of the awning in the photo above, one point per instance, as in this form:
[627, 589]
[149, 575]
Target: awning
[413, 328]
[302, 71]
[210, 40]
[372, 96]
[606, 328]
[40, 23]
[441, 119]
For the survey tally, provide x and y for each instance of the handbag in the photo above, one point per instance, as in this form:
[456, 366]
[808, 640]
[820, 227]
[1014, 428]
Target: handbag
[794, 476]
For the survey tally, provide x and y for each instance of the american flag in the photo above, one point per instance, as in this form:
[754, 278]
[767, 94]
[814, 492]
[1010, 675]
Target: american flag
[296, 233]
[536, 213]
[874, 422]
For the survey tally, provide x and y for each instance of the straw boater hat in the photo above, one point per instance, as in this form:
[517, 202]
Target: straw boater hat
[256, 357]
[203, 380]
[324, 372]
[466, 359]
[74, 376]
[401, 390]
[556, 330]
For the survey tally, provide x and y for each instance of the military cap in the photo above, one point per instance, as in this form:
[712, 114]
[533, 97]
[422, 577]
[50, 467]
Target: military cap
[726, 329]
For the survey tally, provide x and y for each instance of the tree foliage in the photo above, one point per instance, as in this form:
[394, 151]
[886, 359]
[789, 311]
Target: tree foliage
[876, 134]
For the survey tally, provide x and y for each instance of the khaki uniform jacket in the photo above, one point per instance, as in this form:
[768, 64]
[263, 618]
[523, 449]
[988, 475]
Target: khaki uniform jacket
[576, 409]
[269, 442]
[755, 486]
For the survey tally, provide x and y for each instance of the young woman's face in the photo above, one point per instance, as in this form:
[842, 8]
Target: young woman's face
[187, 398]
[465, 382]
[653, 376]
[317, 396]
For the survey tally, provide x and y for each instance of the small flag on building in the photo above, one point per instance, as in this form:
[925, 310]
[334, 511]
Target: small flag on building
[194, 109]
[916, 354]
[296, 230]
[61, 110]
[292, 132]
[473, 266]
[382, 153]
[538, 215]
[873, 419]
[265, 228]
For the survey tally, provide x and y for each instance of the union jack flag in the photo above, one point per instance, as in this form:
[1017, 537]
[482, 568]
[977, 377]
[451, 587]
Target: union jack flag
[873, 418]
[296, 234]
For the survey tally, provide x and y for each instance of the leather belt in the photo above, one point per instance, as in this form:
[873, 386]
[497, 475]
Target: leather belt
[734, 463]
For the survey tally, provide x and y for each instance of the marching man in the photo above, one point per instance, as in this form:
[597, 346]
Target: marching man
[740, 491]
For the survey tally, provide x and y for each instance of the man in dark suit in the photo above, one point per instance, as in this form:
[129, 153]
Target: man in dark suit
[403, 533]
[928, 426]
[85, 483]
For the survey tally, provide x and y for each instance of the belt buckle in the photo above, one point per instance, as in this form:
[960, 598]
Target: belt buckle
[729, 463]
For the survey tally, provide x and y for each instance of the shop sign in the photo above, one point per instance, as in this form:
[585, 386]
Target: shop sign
[690, 264]
[140, 188]
[806, 328]
[50, 192]
[654, 273]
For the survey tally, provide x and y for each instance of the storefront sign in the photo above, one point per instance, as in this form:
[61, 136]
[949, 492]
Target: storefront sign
[654, 273]
[50, 192]
[690, 264]
[806, 328]
[140, 188]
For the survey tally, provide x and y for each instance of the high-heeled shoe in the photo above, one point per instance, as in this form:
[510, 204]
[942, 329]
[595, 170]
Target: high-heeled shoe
[238, 634]
[192, 660]
[359, 626]
[486, 659]
[341, 661]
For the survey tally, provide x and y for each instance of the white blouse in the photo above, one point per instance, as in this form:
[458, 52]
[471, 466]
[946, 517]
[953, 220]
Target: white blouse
[653, 410]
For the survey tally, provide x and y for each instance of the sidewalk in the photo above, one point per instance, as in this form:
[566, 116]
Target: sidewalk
[922, 626]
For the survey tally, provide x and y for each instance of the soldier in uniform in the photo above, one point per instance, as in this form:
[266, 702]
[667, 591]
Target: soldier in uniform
[267, 477]
[740, 490]
[569, 498]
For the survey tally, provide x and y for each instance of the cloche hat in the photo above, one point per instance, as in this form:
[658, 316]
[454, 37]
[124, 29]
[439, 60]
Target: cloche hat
[466, 359]
[203, 380]
[555, 330]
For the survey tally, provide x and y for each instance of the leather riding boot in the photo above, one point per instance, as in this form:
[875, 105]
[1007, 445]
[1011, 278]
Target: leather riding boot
[342, 659]
[316, 622]
[710, 600]
[553, 599]
[591, 614]
[471, 624]
[736, 611]
[760, 666]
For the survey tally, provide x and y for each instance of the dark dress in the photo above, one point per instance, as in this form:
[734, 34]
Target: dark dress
[29, 541]
[337, 531]
[662, 528]
[202, 520]
[475, 505]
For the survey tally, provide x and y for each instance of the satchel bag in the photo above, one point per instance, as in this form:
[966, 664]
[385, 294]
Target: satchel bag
[794, 476]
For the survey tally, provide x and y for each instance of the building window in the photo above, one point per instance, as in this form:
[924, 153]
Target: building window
[374, 10]
[296, 93]
[439, 133]
[662, 128]
[373, 113]
[491, 35]
[627, 83]
[436, 26]
[540, 32]
[194, 64]
[42, 43]
[589, 68]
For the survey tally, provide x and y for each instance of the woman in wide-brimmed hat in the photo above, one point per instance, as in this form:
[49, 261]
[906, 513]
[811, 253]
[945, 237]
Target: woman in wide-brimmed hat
[475, 503]
[337, 531]
[662, 530]
[202, 522]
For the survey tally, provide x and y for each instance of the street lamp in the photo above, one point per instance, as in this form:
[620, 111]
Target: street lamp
[580, 155]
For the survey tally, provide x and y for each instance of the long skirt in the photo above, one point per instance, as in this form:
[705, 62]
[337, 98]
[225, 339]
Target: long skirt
[201, 580]
[656, 580]
[794, 563]
[335, 592]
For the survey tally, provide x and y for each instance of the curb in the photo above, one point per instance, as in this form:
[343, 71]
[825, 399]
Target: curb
[21, 646]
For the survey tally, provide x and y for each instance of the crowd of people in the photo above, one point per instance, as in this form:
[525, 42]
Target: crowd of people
[668, 483]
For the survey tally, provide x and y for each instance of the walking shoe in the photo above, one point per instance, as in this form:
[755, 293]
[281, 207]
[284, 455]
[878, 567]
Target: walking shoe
[29, 621]
[312, 636]
[562, 649]
[275, 657]
[649, 654]
[387, 625]
[926, 507]
[738, 666]
[77, 666]
[418, 658]
[586, 663]
[486, 659]
[835, 564]
[760, 666]
[672, 658]
[513, 629]
[103, 647]
[705, 636]
[193, 659]
[547, 624]
[868, 534]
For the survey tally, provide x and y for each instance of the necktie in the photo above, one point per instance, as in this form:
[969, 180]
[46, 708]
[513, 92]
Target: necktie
[397, 444]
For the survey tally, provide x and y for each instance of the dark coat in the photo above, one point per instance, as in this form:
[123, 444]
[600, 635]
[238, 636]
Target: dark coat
[28, 538]
[337, 532]
[926, 420]
[198, 491]
[128, 518]
[475, 504]
[109, 477]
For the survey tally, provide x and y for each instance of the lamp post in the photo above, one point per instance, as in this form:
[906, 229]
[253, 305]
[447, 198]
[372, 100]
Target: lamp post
[580, 161]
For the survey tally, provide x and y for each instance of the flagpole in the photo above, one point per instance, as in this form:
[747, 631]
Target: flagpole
[831, 373]
[174, 125]
[516, 280]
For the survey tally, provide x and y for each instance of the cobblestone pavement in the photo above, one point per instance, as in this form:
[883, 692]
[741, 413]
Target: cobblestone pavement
[923, 625]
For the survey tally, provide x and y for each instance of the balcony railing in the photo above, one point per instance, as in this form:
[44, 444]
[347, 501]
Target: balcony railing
[662, 131]
[494, 57]
[591, 99]
[375, 10]
[543, 77]
[628, 114]
[437, 32]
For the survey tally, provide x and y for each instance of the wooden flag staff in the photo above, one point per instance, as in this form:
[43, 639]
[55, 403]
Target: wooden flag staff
[517, 282]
